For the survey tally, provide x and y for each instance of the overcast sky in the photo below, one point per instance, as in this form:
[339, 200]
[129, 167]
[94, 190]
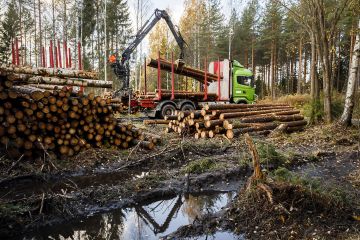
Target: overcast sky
[176, 9]
[176, 6]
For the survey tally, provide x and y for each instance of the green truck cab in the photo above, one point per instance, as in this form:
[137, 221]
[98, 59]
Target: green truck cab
[236, 83]
[243, 87]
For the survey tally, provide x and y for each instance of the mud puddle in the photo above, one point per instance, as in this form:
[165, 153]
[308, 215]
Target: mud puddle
[31, 185]
[152, 220]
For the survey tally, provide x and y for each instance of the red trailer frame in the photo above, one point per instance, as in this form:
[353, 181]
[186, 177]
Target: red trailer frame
[152, 103]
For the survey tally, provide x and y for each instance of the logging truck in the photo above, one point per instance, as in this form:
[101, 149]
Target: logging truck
[224, 82]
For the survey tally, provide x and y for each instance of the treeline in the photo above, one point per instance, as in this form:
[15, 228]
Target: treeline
[37, 22]
[291, 46]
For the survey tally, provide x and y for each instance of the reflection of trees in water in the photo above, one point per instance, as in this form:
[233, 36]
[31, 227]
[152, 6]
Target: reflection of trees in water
[149, 220]
[113, 225]
[195, 206]
[104, 226]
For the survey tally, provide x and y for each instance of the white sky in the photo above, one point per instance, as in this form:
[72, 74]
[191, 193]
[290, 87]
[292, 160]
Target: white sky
[176, 7]
[176, 10]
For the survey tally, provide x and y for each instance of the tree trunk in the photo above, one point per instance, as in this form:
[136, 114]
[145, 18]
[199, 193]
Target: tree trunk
[299, 82]
[35, 38]
[272, 68]
[345, 119]
[40, 32]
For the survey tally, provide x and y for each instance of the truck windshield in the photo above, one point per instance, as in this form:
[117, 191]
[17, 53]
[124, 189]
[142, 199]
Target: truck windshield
[243, 80]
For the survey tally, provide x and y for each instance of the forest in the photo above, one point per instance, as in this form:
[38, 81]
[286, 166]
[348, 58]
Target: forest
[131, 119]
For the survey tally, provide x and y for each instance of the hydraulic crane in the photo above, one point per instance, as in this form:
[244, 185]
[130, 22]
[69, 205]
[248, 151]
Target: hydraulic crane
[122, 67]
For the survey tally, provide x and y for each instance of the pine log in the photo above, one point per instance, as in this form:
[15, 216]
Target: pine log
[172, 117]
[244, 114]
[196, 74]
[49, 72]
[261, 127]
[30, 79]
[218, 112]
[35, 93]
[213, 123]
[159, 121]
[239, 106]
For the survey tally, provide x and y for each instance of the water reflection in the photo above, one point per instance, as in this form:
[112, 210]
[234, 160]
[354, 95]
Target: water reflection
[150, 221]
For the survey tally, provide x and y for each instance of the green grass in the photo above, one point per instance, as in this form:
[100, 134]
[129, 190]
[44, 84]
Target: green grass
[200, 166]
[269, 155]
[9, 209]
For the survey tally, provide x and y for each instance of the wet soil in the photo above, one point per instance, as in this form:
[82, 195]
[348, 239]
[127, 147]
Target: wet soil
[105, 186]
[296, 214]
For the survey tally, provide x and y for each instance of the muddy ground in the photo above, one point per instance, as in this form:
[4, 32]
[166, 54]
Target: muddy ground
[41, 193]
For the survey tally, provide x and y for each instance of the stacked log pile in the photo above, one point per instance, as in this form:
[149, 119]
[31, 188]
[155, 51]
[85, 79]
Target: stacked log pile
[50, 79]
[34, 121]
[235, 119]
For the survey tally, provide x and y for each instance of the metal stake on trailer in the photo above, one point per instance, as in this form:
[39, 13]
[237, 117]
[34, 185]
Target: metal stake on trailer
[218, 79]
[51, 54]
[69, 58]
[43, 56]
[13, 53]
[56, 57]
[159, 78]
[145, 83]
[172, 77]
[205, 81]
[59, 49]
[66, 54]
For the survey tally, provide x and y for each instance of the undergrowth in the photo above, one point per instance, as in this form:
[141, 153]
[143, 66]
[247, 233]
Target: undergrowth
[331, 193]
[200, 166]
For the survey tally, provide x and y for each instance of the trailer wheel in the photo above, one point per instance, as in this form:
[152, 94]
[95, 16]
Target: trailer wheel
[167, 110]
[187, 107]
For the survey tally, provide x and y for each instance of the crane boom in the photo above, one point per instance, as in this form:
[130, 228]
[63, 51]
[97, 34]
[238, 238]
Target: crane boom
[121, 68]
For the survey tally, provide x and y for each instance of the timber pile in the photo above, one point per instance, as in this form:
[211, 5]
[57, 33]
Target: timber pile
[235, 119]
[183, 70]
[117, 105]
[34, 121]
[51, 79]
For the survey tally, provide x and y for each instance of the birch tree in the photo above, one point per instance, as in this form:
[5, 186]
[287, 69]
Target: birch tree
[345, 119]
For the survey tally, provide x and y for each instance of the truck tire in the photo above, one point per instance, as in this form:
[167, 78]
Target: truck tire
[187, 107]
[241, 102]
[167, 110]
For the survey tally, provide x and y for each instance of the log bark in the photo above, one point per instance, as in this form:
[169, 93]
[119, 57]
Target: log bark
[160, 121]
[49, 72]
[254, 128]
[30, 79]
[196, 74]
[218, 112]
[35, 93]
[240, 106]
[244, 114]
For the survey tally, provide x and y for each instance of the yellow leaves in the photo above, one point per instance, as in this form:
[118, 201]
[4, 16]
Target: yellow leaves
[282, 218]
[357, 218]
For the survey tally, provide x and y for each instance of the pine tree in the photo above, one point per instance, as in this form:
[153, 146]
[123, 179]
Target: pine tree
[8, 31]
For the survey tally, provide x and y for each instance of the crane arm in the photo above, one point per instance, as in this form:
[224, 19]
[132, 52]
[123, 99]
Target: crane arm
[146, 28]
[121, 68]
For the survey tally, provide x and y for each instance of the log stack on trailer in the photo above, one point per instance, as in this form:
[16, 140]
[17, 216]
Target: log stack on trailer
[34, 120]
[235, 119]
